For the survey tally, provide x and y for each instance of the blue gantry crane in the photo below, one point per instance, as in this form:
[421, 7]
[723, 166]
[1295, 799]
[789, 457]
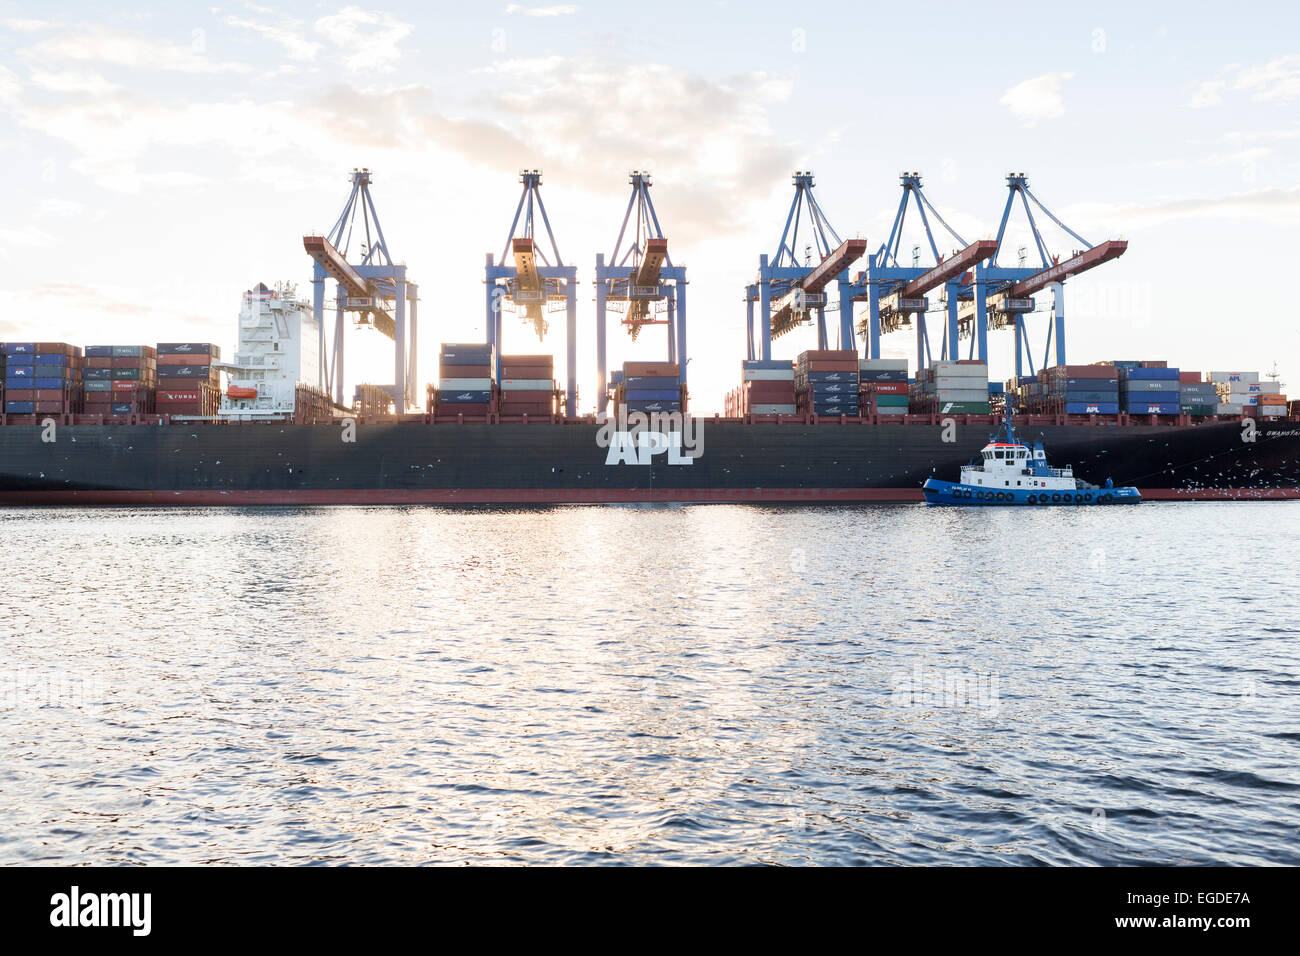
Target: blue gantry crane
[641, 282]
[798, 290]
[531, 288]
[375, 289]
[1001, 296]
[896, 294]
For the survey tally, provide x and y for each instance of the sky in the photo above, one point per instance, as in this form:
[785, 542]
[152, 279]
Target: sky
[164, 158]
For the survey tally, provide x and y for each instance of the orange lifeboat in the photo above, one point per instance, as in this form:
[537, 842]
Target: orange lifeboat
[236, 391]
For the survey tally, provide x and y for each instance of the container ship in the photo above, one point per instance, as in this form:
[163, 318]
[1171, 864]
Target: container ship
[154, 424]
[829, 427]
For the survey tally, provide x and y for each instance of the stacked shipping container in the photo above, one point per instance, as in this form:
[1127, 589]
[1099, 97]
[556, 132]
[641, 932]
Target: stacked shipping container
[1082, 389]
[1196, 396]
[188, 381]
[651, 387]
[826, 382]
[467, 382]
[120, 379]
[766, 388]
[41, 378]
[958, 387]
[528, 385]
[1148, 388]
[883, 386]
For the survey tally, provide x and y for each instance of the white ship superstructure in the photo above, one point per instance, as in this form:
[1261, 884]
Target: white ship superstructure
[279, 349]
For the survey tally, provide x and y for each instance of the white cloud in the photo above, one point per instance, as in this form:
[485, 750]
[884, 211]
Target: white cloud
[1279, 205]
[369, 37]
[1277, 81]
[558, 10]
[1037, 99]
[19, 25]
[1206, 94]
[73, 82]
[133, 51]
[287, 34]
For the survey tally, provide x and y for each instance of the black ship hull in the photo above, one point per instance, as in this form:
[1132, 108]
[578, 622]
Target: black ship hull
[562, 463]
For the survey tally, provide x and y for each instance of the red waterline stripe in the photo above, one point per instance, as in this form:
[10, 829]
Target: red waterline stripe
[558, 496]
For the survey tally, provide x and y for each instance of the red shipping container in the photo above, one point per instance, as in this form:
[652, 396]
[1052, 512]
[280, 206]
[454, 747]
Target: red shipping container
[466, 371]
[830, 365]
[1083, 371]
[526, 395]
[48, 406]
[20, 394]
[98, 362]
[1189, 378]
[1154, 364]
[524, 408]
[832, 355]
[547, 361]
[888, 388]
[530, 372]
[54, 348]
[186, 395]
[464, 408]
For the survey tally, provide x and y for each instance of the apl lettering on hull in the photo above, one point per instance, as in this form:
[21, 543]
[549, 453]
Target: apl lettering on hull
[635, 438]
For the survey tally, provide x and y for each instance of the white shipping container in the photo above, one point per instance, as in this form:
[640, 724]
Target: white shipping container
[465, 384]
[1228, 408]
[527, 385]
[1267, 388]
[891, 410]
[773, 410]
[956, 370]
[953, 381]
[1242, 398]
[963, 394]
[1234, 376]
[769, 374]
[877, 365]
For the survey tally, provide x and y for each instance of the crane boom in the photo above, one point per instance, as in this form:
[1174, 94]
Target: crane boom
[1088, 259]
[329, 258]
[848, 252]
[953, 266]
[647, 276]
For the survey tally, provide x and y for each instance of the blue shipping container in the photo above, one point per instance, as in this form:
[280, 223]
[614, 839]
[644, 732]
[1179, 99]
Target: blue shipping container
[98, 386]
[48, 383]
[653, 394]
[816, 377]
[1150, 374]
[20, 348]
[882, 375]
[465, 397]
[654, 406]
[1091, 383]
[1079, 395]
[97, 374]
[99, 351]
[1151, 408]
[1092, 408]
[834, 388]
[766, 364]
[20, 408]
[659, 381]
[51, 360]
[20, 371]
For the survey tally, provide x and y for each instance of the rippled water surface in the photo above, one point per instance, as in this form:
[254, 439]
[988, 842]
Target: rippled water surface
[705, 684]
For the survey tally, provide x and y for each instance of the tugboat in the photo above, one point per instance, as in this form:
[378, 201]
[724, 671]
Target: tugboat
[1010, 472]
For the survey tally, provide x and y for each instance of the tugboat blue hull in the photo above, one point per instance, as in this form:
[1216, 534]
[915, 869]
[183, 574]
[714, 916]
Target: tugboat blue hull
[954, 493]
